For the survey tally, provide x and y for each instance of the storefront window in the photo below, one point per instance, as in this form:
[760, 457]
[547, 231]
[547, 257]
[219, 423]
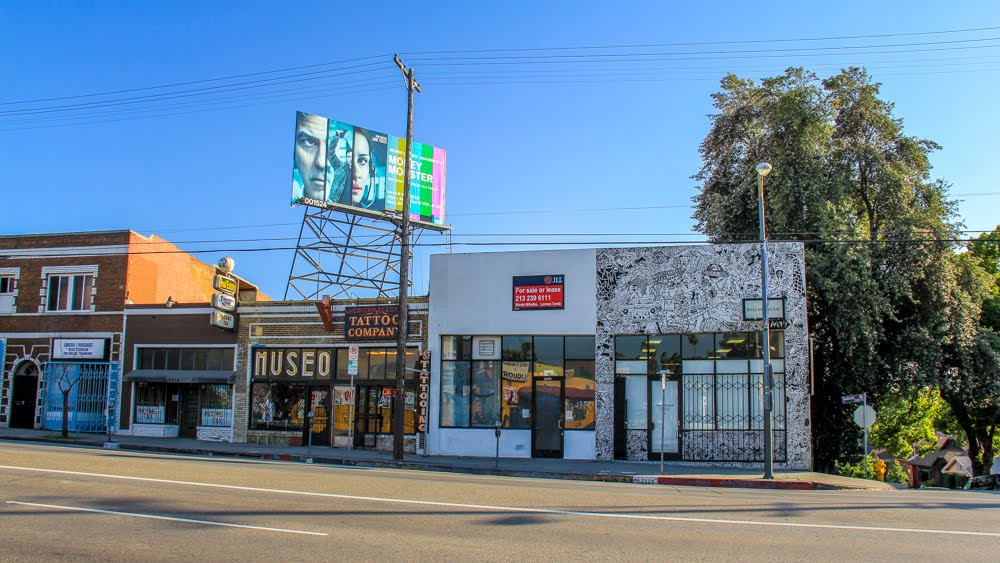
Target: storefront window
[698, 398]
[666, 355]
[630, 348]
[186, 359]
[482, 393]
[456, 347]
[216, 407]
[580, 414]
[579, 347]
[376, 365]
[485, 393]
[518, 348]
[455, 391]
[698, 346]
[636, 407]
[278, 406]
[515, 389]
[548, 356]
[150, 403]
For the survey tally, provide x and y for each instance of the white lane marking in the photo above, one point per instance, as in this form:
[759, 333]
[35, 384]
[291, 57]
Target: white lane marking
[505, 508]
[155, 517]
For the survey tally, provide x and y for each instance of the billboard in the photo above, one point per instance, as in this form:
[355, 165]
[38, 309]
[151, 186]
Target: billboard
[337, 165]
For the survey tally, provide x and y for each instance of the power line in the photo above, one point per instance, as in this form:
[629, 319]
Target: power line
[193, 92]
[703, 43]
[191, 82]
[603, 243]
[611, 56]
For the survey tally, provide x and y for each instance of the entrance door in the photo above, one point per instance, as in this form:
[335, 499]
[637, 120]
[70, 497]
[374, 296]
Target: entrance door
[664, 435]
[190, 413]
[320, 408]
[25, 398]
[547, 427]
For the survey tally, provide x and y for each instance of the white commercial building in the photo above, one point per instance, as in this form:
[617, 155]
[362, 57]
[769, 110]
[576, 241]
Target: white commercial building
[622, 353]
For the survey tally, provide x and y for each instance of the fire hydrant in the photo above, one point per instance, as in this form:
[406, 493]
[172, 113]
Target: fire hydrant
[879, 470]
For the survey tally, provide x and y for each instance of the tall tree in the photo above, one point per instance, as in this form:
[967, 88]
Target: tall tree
[850, 183]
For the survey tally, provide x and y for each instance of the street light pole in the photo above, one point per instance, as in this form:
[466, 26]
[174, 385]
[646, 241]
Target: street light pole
[763, 169]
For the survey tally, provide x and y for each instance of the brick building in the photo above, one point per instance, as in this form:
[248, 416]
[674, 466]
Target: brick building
[294, 359]
[63, 317]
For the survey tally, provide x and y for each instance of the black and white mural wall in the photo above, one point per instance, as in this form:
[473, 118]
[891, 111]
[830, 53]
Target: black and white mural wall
[701, 289]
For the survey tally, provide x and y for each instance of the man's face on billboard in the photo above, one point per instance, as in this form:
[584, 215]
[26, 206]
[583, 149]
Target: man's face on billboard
[310, 155]
[362, 167]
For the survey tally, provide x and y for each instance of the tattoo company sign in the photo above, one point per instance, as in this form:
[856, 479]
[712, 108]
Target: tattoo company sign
[423, 390]
[78, 349]
[372, 322]
[538, 292]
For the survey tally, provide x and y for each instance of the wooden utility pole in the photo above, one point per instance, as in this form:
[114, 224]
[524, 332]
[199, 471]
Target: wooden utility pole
[399, 402]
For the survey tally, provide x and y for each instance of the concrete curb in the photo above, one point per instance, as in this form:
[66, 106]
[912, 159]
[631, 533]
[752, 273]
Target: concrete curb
[684, 481]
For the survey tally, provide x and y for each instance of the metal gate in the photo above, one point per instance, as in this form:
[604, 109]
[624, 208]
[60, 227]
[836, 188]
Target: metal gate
[93, 395]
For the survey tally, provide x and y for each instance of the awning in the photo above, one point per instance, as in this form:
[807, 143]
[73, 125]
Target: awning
[177, 376]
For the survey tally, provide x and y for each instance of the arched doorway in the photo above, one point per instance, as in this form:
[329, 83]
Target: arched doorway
[24, 395]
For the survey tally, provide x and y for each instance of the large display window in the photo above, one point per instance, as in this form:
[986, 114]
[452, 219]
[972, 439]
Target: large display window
[484, 393]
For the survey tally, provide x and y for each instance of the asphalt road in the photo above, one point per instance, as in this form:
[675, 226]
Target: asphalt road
[77, 503]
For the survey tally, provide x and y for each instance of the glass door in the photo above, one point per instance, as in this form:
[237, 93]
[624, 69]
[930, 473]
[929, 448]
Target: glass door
[664, 414]
[547, 426]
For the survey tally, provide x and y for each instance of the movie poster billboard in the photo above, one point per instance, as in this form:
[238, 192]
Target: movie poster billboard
[341, 166]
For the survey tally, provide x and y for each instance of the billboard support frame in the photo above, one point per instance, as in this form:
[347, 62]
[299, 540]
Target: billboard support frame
[346, 256]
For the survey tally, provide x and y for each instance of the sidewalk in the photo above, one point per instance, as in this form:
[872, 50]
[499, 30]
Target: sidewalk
[587, 470]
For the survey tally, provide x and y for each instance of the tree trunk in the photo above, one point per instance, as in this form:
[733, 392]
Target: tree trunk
[65, 417]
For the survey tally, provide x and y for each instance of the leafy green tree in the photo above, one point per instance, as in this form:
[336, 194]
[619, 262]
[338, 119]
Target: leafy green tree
[850, 183]
[907, 421]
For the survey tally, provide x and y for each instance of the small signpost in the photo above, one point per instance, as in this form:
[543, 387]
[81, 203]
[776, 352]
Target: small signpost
[352, 370]
[864, 416]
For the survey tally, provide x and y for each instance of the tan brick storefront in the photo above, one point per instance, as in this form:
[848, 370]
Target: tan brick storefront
[290, 363]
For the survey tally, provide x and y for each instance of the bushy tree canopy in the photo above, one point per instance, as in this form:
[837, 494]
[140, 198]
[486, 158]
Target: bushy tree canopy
[892, 306]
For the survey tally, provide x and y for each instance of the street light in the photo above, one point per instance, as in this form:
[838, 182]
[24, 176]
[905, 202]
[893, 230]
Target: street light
[763, 169]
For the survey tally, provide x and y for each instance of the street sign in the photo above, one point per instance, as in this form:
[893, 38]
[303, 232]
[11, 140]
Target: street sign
[864, 416]
[851, 399]
[352, 360]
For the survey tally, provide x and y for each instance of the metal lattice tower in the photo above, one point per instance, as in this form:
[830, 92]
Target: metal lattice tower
[345, 256]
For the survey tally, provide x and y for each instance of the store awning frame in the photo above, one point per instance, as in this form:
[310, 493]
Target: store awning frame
[180, 376]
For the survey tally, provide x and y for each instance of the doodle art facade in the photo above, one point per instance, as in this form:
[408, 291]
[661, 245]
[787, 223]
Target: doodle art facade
[646, 352]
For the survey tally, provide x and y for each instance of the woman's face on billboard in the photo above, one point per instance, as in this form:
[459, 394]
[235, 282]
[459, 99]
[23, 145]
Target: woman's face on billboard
[362, 167]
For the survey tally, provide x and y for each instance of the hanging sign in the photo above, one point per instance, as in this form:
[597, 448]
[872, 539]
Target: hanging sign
[224, 284]
[222, 319]
[223, 302]
[423, 389]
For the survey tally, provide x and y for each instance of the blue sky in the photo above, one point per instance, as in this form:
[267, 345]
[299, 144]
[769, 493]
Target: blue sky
[532, 148]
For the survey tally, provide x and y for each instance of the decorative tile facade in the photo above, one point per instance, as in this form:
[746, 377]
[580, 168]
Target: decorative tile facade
[700, 289]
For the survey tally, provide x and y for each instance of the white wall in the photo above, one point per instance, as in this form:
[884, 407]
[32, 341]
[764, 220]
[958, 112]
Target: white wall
[472, 294]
